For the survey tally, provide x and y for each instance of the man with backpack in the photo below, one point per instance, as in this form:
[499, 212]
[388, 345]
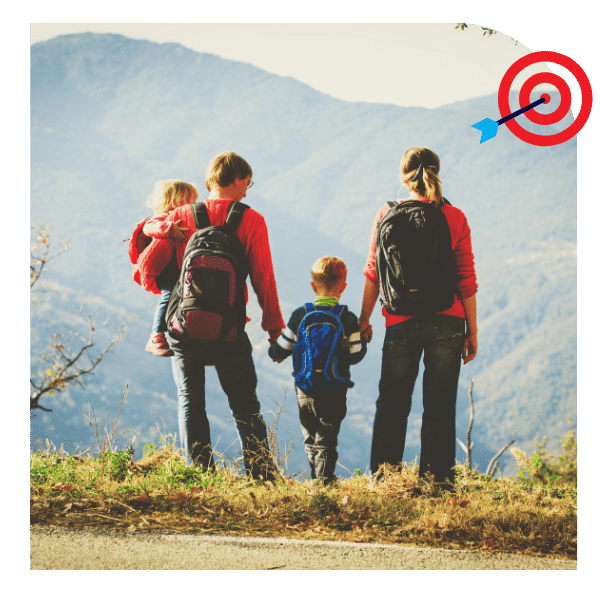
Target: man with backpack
[324, 340]
[226, 241]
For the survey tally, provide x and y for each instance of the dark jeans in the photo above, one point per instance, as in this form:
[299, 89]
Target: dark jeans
[236, 372]
[165, 282]
[439, 339]
[321, 417]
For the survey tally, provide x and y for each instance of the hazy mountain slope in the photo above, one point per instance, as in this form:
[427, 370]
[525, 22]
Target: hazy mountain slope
[112, 115]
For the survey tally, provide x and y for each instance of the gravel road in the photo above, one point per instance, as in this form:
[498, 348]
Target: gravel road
[60, 548]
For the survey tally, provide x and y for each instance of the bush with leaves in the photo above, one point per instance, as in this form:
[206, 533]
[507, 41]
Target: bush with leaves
[542, 468]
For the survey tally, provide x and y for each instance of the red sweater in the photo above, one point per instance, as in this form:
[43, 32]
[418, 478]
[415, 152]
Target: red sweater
[255, 238]
[460, 233]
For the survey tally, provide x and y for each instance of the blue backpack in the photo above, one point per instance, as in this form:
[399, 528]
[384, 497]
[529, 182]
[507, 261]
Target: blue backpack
[320, 345]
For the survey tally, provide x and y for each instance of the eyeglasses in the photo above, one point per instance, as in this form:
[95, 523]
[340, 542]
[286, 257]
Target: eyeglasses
[250, 185]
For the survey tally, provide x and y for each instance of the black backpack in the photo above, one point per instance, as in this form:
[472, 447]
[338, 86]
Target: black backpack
[208, 301]
[414, 259]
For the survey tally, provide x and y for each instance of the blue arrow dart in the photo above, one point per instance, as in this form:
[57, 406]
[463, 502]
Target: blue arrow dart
[489, 127]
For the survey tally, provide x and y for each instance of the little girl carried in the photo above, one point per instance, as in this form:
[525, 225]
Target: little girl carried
[152, 252]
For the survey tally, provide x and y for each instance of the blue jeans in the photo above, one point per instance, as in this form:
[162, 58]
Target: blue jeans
[165, 282]
[237, 375]
[439, 339]
[321, 417]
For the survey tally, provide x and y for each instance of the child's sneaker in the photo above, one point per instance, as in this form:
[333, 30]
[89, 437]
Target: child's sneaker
[158, 345]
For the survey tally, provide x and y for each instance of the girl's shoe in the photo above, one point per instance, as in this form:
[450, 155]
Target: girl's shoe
[158, 345]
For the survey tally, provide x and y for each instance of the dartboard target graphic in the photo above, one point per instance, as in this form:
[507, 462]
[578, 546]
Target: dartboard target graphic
[565, 98]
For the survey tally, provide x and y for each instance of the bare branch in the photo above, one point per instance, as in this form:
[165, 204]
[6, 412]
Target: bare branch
[471, 419]
[487, 472]
[495, 469]
[40, 254]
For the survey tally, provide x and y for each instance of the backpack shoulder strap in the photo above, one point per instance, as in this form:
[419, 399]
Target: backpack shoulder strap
[339, 309]
[201, 219]
[235, 214]
[309, 306]
[392, 204]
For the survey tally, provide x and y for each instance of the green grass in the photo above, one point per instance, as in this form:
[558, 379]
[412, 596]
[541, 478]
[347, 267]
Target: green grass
[161, 492]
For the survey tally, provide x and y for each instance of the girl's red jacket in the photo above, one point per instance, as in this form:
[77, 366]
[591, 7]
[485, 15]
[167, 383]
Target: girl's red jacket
[150, 250]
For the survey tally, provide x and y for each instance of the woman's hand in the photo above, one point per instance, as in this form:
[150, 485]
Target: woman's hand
[370, 296]
[469, 351]
[366, 329]
[470, 347]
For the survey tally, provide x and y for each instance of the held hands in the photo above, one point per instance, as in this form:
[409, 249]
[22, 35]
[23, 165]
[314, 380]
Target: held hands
[470, 347]
[178, 232]
[273, 340]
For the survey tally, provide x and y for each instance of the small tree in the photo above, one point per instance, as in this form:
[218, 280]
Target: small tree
[68, 358]
[494, 463]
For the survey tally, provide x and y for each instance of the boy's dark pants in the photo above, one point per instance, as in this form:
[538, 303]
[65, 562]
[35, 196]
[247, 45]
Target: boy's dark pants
[321, 416]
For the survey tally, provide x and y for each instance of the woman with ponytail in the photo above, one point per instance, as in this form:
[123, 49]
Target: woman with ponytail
[439, 337]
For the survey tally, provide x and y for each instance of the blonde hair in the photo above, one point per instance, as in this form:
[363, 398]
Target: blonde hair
[225, 168]
[169, 194]
[429, 185]
[328, 271]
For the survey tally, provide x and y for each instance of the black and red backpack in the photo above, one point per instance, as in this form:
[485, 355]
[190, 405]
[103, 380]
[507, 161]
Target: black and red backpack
[208, 302]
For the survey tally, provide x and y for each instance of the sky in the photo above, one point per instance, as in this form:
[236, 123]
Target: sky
[356, 62]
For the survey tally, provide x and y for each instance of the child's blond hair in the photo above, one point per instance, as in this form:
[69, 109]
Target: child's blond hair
[328, 271]
[169, 194]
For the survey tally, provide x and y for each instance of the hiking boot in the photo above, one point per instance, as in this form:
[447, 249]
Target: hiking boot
[159, 346]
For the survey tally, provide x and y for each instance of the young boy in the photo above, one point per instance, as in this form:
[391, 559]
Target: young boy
[322, 411]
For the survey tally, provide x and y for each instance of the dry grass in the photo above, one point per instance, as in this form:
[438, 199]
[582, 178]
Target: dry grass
[161, 492]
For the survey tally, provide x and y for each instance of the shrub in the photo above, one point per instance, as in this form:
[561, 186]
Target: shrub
[542, 468]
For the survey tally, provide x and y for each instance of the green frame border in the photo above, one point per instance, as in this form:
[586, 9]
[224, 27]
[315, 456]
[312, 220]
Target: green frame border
[539, 27]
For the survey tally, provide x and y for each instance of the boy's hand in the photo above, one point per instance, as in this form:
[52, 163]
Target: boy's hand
[178, 232]
[271, 342]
